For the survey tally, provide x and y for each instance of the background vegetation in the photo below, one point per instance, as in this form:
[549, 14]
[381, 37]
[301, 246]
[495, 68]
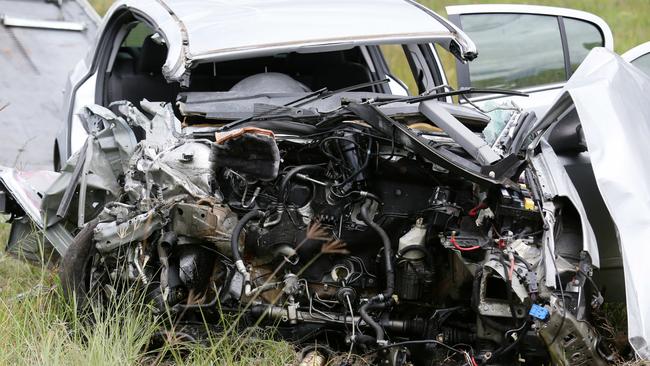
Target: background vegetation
[39, 327]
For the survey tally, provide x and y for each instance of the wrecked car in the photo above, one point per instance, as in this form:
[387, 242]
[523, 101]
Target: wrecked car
[291, 179]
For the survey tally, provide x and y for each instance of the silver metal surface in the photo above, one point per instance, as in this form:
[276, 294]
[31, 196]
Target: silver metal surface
[9, 21]
[636, 52]
[612, 101]
[473, 144]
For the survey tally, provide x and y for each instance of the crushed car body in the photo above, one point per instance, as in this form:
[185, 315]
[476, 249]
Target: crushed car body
[610, 97]
[369, 223]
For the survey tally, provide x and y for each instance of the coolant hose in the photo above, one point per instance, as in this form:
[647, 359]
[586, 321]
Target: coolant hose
[388, 252]
[234, 239]
[363, 312]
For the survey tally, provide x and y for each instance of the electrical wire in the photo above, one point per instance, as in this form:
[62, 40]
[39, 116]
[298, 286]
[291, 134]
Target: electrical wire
[453, 241]
[513, 330]
[509, 290]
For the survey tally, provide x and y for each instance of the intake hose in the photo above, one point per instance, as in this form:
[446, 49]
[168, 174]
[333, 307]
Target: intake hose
[388, 252]
[374, 303]
[234, 246]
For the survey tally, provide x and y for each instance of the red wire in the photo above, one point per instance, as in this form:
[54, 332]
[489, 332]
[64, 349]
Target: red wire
[474, 361]
[462, 249]
[473, 212]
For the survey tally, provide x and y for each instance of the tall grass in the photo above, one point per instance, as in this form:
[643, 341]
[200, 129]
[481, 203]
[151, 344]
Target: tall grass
[101, 5]
[39, 327]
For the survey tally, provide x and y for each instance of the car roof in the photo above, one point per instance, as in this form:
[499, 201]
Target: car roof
[227, 26]
[214, 30]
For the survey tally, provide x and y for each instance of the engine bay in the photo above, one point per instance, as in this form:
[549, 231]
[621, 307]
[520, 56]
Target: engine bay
[343, 237]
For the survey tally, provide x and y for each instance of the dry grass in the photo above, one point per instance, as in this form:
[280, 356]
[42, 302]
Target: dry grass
[40, 328]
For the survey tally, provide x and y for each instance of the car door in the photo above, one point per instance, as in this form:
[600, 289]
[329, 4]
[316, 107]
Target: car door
[534, 49]
[639, 56]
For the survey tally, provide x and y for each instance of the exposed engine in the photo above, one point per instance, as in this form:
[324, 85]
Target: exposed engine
[343, 237]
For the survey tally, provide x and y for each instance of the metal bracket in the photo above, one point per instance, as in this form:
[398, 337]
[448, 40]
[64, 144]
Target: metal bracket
[9, 21]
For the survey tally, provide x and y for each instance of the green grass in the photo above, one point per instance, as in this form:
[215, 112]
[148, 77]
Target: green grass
[39, 327]
[101, 5]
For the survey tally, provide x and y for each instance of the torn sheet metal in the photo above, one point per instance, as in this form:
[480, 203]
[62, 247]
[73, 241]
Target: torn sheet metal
[94, 169]
[612, 99]
[27, 189]
[555, 182]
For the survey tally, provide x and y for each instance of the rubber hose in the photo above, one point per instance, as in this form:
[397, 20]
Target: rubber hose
[388, 252]
[236, 232]
[363, 312]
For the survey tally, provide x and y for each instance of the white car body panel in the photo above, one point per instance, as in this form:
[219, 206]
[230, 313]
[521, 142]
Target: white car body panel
[612, 99]
[557, 183]
[85, 95]
[636, 52]
[639, 56]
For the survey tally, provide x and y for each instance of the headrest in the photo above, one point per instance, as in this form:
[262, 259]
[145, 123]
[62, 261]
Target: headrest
[270, 82]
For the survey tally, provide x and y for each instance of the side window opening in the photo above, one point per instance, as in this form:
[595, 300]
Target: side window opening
[515, 50]
[522, 51]
[136, 36]
[398, 67]
[643, 63]
[333, 70]
[581, 38]
[136, 71]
